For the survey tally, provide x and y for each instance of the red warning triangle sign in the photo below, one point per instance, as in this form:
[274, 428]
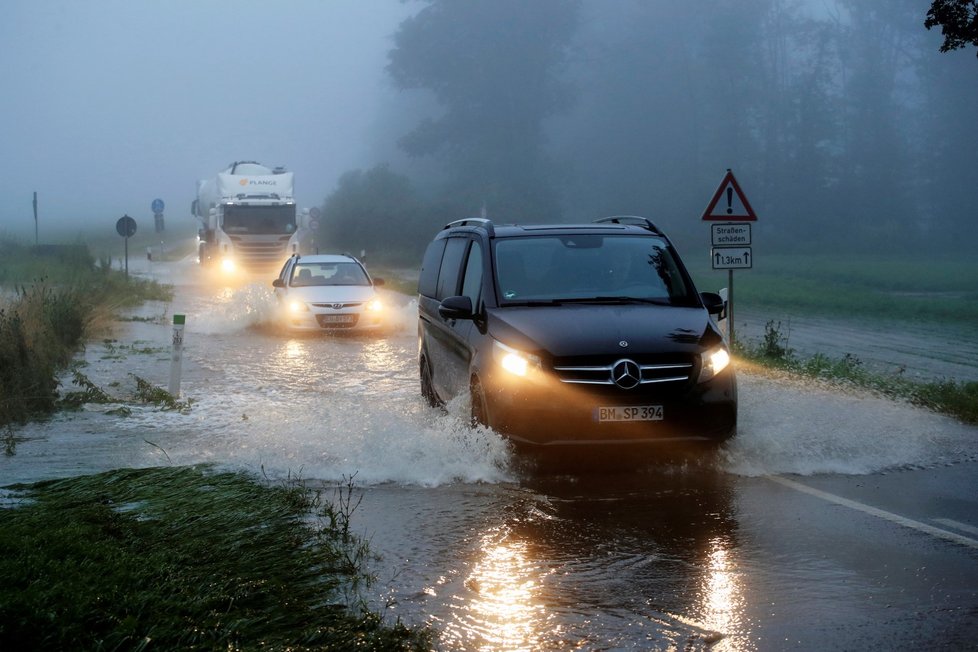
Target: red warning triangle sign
[729, 203]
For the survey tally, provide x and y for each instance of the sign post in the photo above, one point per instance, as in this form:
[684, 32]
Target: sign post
[157, 207]
[730, 236]
[126, 227]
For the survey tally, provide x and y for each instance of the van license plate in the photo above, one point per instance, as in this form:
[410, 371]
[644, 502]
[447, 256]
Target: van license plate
[628, 413]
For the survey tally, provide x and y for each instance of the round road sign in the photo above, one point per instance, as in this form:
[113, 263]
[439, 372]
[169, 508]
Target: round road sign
[157, 206]
[126, 226]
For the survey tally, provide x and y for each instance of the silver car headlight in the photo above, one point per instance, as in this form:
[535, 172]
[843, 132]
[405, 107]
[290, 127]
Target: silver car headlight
[713, 362]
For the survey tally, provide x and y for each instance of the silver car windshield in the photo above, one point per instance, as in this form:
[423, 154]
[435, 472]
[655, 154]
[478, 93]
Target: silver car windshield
[583, 268]
[308, 274]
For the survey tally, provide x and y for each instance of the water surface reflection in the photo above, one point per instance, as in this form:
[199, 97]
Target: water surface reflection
[648, 560]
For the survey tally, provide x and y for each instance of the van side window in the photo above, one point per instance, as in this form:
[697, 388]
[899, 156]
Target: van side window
[451, 268]
[472, 281]
[428, 279]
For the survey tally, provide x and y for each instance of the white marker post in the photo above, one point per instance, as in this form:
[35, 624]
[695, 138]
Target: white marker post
[176, 355]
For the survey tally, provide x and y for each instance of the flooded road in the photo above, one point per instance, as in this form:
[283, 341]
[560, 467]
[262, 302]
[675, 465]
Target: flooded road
[833, 521]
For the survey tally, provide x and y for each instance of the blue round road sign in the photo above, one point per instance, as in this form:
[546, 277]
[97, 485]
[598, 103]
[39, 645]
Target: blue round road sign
[157, 206]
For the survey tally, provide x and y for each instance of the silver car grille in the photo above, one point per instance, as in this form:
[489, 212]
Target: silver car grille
[338, 306]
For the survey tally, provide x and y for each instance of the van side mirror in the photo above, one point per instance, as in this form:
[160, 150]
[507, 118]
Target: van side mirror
[714, 303]
[278, 283]
[378, 282]
[456, 308]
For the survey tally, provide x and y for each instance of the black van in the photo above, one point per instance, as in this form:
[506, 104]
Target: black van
[581, 335]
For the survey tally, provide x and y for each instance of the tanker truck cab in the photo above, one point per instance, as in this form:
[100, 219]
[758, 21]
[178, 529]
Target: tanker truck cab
[249, 218]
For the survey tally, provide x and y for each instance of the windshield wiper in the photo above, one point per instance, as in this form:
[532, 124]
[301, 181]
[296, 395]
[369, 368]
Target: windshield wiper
[617, 299]
[533, 303]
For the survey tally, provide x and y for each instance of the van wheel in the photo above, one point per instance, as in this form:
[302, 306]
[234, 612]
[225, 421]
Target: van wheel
[427, 388]
[480, 411]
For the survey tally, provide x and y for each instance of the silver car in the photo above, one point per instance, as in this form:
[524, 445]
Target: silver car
[328, 292]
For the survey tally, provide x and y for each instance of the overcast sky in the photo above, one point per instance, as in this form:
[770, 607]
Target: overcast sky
[108, 104]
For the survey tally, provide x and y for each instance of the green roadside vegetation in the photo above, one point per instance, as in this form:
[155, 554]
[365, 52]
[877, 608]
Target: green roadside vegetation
[957, 399]
[942, 290]
[52, 298]
[185, 558]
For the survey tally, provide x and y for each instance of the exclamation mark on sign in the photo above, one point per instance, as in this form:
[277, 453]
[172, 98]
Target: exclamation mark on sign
[729, 200]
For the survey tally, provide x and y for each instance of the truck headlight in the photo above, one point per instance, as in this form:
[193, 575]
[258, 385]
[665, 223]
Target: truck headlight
[227, 265]
[713, 362]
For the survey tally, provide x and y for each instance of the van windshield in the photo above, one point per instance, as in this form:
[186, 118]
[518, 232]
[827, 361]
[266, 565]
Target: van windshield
[582, 267]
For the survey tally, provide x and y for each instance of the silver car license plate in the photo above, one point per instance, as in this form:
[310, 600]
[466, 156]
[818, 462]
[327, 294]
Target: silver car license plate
[338, 319]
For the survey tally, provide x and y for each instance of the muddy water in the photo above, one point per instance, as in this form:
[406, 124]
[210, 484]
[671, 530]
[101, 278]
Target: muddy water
[492, 557]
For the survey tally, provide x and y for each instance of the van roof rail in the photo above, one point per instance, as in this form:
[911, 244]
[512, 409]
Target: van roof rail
[474, 221]
[633, 220]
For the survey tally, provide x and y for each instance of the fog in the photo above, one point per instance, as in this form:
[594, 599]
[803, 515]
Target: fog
[845, 125]
[109, 104]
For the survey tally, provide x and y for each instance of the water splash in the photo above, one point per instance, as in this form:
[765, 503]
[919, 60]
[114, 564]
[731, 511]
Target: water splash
[790, 426]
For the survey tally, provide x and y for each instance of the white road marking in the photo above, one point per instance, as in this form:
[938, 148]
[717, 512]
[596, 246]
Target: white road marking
[879, 513]
[957, 525]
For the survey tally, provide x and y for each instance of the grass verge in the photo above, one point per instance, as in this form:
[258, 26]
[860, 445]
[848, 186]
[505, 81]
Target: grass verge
[957, 399]
[924, 288]
[183, 558]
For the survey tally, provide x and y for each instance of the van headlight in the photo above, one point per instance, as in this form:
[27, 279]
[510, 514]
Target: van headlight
[713, 362]
[514, 361]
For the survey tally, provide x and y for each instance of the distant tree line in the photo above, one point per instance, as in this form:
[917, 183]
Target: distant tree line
[846, 128]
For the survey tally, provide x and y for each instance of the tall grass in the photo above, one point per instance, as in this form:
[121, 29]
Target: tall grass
[39, 332]
[52, 301]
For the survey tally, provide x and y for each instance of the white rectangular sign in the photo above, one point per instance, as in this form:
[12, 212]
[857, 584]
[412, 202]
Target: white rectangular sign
[730, 235]
[731, 257]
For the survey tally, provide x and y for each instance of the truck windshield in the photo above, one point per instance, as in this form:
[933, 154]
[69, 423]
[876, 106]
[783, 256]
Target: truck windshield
[259, 220]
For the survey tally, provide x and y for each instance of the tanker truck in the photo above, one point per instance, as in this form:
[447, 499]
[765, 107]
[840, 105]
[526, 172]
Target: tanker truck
[248, 219]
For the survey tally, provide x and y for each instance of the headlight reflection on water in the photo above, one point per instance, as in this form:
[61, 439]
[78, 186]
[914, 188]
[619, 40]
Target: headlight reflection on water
[506, 613]
[721, 601]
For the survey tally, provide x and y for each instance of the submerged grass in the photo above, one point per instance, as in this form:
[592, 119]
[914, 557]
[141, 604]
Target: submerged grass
[957, 399]
[183, 558]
